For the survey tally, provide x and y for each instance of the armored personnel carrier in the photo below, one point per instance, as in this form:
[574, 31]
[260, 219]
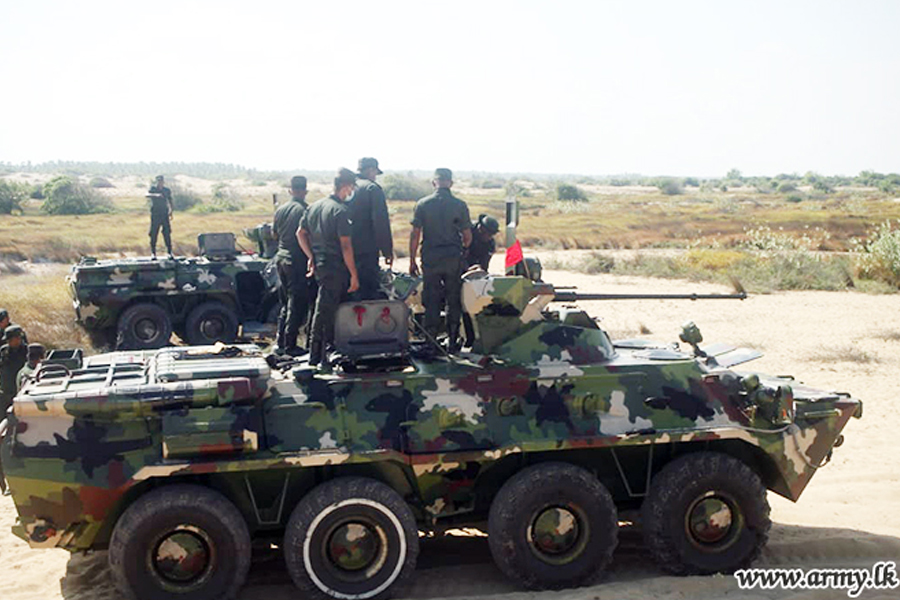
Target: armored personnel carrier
[136, 303]
[175, 459]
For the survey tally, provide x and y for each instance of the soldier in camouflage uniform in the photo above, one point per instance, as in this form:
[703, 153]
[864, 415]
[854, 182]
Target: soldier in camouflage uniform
[160, 215]
[324, 235]
[371, 230]
[290, 261]
[13, 355]
[441, 222]
[34, 356]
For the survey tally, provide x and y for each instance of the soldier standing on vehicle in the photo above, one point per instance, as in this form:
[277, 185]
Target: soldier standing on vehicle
[324, 236]
[290, 261]
[161, 209]
[441, 222]
[483, 244]
[13, 356]
[371, 229]
[34, 355]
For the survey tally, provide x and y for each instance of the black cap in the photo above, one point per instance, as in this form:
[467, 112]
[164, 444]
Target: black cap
[35, 351]
[443, 174]
[367, 162]
[160, 178]
[298, 182]
[344, 177]
[11, 332]
[490, 224]
[3, 313]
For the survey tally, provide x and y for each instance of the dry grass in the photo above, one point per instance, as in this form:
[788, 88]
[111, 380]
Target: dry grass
[39, 302]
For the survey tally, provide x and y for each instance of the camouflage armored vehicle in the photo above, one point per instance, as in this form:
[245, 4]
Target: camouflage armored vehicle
[136, 303]
[174, 460]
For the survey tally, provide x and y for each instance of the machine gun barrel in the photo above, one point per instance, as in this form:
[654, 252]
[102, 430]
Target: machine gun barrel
[571, 296]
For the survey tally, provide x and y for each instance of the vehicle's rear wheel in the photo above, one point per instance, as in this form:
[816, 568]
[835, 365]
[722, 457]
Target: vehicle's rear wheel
[209, 323]
[351, 538]
[181, 541]
[705, 513]
[143, 326]
[553, 525]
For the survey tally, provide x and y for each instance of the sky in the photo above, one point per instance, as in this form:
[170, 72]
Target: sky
[591, 87]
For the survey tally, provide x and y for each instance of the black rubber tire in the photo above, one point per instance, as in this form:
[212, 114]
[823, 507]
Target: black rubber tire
[143, 326]
[678, 487]
[209, 323]
[351, 500]
[141, 531]
[526, 496]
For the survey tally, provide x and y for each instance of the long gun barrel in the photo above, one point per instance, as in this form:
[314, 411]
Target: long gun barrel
[572, 296]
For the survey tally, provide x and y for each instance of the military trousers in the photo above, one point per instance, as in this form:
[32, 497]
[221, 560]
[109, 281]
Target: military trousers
[442, 283]
[294, 296]
[369, 277]
[333, 283]
[157, 222]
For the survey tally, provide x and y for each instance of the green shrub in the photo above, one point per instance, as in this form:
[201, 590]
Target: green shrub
[100, 182]
[794, 198]
[66, 196]
[224, 199]
[879, 257]
[670, 186]
[405, 187]
[184, 198]
[786, 186]
[12, 194]
[567, 192]
[37, 192]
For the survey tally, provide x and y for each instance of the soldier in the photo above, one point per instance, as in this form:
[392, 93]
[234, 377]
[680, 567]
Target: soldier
[371, 230]
[483, 245]
[160, 215]
[13, 355]
[290, 261]
[34, 356]
[324, 235]
[441, 222]
[4, 321]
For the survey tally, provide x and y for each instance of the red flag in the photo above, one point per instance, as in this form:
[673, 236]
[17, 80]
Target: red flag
[514, 255]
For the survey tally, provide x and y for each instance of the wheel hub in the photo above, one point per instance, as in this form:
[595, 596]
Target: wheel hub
[182, 556]
[353, 546]
[710, 520]
[555, 531]
[146, 330]
[212, 327]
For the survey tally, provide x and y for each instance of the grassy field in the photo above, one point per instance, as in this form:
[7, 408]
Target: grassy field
[767, 241]
[612, 217]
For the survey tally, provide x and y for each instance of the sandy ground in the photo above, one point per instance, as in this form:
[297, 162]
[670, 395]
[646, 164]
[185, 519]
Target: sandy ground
[849, 516]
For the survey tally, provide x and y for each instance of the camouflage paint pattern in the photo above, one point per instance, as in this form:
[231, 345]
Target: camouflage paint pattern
[445, 432]
[102, 289]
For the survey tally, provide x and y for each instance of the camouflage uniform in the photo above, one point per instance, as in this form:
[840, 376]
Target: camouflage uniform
[160, 205]
[290, 261]
[371, 233]
[12, 359]
[442, 218]
[327, 221]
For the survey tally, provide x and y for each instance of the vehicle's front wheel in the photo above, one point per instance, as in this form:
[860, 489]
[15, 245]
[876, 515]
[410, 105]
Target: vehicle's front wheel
[144, 326]
[553, 525]
[705, 513]
[351, 538]
[180, 541]
[209, 323]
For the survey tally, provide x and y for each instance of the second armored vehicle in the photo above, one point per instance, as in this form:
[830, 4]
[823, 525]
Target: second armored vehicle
[137, 303]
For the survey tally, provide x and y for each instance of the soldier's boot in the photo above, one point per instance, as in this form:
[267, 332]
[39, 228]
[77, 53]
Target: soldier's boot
[315, 353]
[453, 339]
